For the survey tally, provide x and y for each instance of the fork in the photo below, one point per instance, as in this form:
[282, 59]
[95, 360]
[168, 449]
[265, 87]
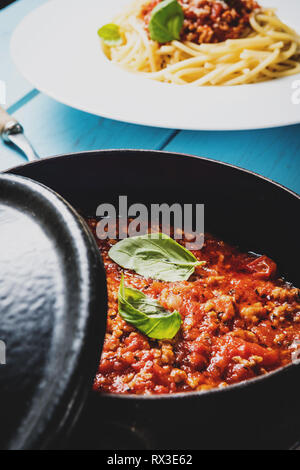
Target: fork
[12, 132]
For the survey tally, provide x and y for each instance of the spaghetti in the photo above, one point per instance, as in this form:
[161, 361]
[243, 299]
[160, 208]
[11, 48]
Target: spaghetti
[266, 48]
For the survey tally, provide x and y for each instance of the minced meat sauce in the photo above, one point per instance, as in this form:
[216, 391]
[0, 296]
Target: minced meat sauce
[210, 21]
[240, 320]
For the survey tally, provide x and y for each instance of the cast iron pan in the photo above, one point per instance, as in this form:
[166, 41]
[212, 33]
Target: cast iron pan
[241, 207]
[53, 305]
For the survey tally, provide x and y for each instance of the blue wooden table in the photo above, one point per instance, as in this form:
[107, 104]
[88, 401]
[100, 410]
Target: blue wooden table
[54, 128]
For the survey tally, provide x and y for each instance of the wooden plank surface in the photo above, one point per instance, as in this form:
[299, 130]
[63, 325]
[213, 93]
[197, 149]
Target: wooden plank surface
[274, 153]
[54, 128]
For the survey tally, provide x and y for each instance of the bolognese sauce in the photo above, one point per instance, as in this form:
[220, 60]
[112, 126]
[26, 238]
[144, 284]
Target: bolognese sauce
[210, 21]
[240, 320]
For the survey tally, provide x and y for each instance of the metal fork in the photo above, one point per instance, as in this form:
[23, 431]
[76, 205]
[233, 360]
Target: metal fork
[12, 132]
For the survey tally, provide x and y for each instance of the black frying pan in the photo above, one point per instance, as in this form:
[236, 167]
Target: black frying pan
[241, 207]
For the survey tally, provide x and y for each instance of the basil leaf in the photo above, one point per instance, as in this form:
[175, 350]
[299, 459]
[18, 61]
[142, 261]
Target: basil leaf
[110, 34]
[166, 21]
[155, 255]
[146, 314]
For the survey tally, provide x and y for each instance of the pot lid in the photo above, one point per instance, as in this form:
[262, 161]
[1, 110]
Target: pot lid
[52, 313]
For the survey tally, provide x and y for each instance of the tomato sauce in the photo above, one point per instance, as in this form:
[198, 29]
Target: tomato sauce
[240, 320]
[210, 21]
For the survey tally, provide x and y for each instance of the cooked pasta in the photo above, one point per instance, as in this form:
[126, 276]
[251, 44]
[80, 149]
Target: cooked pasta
[267, 49]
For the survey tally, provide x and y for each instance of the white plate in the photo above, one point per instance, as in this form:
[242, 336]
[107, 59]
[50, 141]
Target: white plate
[57, 49]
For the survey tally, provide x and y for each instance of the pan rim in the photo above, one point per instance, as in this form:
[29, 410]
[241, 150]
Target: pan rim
[156, 153]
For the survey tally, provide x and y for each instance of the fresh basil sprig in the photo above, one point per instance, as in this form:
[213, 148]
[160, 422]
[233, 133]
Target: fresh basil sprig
[166, 21]
[146, 314]
[110, 34]
[155, 256]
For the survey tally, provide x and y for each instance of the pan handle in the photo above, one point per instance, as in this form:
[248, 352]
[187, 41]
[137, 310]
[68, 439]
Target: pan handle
[12, 132]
